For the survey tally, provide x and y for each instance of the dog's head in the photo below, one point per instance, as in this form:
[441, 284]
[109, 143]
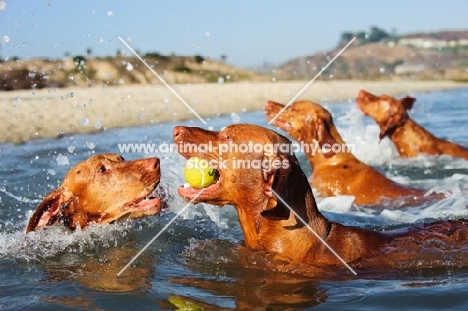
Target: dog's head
[388, 112]
[102, 188]
[255, 165]
[306, 122]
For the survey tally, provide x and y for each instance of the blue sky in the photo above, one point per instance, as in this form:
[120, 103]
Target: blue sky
[247, 32]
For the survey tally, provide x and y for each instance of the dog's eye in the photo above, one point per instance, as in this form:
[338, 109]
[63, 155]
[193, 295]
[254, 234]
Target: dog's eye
[102, 169]
[226, 136]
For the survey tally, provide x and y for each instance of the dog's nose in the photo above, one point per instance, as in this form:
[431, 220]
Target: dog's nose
[178, 131]
[156, 164]
[151, 163]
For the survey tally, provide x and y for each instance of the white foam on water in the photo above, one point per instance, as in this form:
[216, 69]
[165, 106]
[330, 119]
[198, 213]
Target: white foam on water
[356, 130]
[52, 240]
[456, 185]
[454, 206]
[365, 138]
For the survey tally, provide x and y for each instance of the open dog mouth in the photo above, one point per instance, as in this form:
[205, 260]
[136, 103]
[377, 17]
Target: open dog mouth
[150, 202]
[201, 192]
[272, 110]
[286, 126]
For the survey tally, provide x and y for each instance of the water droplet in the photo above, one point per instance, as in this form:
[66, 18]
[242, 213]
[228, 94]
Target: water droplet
[129, 67]
[71, 94]
[220, 80]
[62, 160]
[110, 13]
[207, 33]
[71, 149]
[382, 69]
[50, 171]
[18, 100]
[235, 118]
[98, 123]
[90, 145]
[84, 121]
[2, 5]
[6, 39]
[273, 79]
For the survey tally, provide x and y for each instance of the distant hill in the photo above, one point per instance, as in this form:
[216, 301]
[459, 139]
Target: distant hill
[436, 55]
[82, 71]
[374, 55]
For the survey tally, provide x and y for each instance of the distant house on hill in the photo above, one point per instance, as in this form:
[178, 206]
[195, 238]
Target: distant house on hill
[436, 40]
[406, 69]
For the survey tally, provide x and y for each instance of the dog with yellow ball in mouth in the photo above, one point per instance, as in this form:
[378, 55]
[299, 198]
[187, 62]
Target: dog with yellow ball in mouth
[199, 174]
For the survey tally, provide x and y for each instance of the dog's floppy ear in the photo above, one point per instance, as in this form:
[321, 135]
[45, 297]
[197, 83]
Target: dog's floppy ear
[324, 137]
[407, 102]
[48, 211]
[278, 180]
[398, 114]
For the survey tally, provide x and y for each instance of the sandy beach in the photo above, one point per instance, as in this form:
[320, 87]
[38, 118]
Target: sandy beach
[49, 113]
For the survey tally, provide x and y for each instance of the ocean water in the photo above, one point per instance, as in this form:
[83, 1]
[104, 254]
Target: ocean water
[199, 262]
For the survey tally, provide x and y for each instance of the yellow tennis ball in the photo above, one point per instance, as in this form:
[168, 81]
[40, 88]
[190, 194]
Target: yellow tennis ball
[199, 174]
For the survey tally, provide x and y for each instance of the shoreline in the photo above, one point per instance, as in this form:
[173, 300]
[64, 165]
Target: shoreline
[53, 112]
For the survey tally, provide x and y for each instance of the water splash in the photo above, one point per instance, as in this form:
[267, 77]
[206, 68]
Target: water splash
[62, 160]
[365, 138]
[19, 198]
[50, 241]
